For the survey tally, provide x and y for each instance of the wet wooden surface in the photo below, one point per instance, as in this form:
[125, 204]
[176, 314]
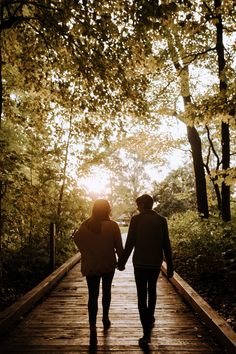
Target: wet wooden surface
[60, 323]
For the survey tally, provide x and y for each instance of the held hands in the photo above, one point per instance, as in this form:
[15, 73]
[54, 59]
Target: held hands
[120, 266]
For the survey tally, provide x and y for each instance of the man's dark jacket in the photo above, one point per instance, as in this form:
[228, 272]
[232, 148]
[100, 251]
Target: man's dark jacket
[148, 235]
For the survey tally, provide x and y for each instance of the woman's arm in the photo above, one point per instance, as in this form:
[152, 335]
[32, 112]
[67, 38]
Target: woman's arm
[129, 245]
[118, 241]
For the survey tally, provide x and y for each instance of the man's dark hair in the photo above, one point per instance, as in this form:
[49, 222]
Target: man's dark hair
[145, 200]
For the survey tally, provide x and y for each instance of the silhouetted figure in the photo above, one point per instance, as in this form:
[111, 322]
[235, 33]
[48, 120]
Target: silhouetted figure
[148, 236]
[99, 239]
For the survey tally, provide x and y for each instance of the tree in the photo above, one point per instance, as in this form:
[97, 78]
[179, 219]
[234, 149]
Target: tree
[162, 22]
[128, 180]
[175, 194]
[225, 137]
[193, 136]
[181, 36]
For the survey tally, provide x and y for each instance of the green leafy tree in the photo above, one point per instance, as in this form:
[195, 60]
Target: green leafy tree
[186, 37]
[128, 179]
[176, 193]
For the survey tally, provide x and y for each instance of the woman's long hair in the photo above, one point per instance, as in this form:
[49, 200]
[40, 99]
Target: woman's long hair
[100, 212]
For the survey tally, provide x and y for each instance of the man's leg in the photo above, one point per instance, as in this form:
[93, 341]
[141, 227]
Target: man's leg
[152, 293]
[106, 297]
[141, 284]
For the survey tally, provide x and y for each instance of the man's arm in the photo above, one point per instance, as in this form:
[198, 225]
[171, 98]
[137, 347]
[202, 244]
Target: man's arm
[129, 244]
[167, 250]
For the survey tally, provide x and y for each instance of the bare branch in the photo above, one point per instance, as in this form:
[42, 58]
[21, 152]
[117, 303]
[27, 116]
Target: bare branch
[195, 55]
[208, 8]
[212, 147]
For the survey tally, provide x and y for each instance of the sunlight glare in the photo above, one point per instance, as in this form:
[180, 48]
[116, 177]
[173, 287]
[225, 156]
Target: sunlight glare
[97, 183]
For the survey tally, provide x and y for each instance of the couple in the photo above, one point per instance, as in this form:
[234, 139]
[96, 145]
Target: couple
[99, 240]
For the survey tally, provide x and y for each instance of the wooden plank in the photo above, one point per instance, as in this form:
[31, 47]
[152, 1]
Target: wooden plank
[60, 323]
[116, 350]
[14, 312]
[223, 332]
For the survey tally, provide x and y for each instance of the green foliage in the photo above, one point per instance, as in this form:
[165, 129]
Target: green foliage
[75, 210]
[128, 180]
[23, 268]
[176, 193]
[27, 212]
[204, 254]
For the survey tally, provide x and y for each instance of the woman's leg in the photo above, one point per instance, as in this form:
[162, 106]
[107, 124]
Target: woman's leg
[106, 294]
[93, 283]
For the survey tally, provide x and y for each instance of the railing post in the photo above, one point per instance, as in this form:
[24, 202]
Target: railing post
[52, 232]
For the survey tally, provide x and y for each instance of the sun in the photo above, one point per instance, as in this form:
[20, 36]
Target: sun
[97, 183]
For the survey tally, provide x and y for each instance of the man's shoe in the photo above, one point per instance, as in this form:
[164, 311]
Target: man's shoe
[106, 324]
[143, 342]
[93, 338]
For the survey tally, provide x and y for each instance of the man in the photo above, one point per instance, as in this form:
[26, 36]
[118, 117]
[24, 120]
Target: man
[148, 236]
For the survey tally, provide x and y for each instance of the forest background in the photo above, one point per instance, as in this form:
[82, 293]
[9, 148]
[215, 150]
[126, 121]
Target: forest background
[88, 86]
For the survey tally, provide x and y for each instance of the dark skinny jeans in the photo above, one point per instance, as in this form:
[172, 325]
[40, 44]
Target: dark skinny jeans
[93, 283]
[146, 283]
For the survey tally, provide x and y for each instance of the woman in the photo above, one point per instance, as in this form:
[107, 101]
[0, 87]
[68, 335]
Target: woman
[98, 240]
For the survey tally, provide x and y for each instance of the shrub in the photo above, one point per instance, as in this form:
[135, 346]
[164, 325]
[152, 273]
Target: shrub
[204, 253]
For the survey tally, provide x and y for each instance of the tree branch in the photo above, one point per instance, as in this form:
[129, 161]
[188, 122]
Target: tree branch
[195, 55]
[212, 147]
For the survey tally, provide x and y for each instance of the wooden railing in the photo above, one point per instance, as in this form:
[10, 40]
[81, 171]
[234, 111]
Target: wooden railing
[14, 312]
[222, 330]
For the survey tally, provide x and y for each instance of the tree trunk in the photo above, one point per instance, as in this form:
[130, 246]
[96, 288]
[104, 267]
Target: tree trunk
[1, 182]
[196, 149]
[200, 180]
[61, 194]
[193, 136]
[225, 191]
[218, 196]
[225, 135]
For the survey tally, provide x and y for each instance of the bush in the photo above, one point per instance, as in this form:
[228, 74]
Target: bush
[22, 270]
[204, 253]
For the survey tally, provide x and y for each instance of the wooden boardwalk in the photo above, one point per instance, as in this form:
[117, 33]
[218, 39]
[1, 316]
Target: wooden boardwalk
[59, 324]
